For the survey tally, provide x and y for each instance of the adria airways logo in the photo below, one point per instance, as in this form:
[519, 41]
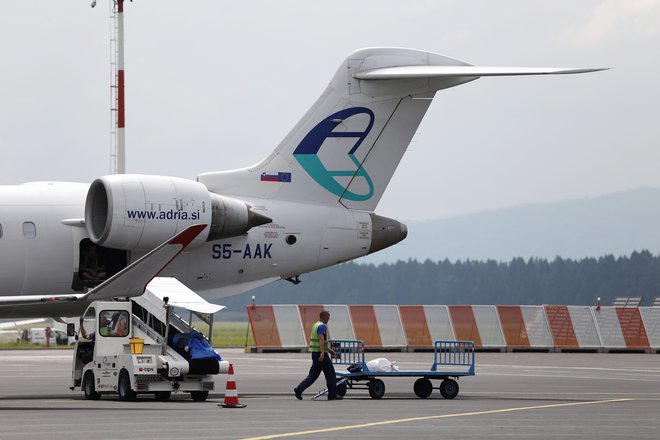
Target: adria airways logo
[325, 146]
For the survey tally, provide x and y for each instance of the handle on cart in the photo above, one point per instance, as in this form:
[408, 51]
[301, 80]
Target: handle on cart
[324, 391]
[453, 353]
[348, 351]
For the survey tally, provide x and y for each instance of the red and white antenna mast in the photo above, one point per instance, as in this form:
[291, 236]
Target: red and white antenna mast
[121, 109]
[118, 120]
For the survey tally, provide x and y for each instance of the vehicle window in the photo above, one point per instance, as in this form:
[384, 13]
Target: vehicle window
[88, 323]
[29, 230]
[114, 323]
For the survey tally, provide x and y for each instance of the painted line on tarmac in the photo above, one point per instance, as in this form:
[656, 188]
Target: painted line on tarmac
[564, 376]
[565, 367]
[442, 416]
[525, 393]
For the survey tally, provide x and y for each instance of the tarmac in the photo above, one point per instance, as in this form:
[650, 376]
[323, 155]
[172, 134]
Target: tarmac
[513, 395]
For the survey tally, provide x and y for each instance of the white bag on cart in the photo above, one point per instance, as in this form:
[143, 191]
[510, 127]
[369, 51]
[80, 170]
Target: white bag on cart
[382, 365]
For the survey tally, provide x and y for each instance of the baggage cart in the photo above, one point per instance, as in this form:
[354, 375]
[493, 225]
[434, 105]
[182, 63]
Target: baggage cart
[451, 360]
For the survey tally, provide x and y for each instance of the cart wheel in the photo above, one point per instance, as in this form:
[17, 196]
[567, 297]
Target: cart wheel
[88, 387]
[449, 388]
[423, 388]
[341, 389]
[199, 396]
[124, 387]
[376, 388]
[162, 396]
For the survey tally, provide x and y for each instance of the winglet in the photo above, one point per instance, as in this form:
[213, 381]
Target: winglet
[187, 235]
[133, 280]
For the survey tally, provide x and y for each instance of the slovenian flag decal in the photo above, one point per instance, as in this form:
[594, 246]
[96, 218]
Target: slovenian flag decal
[279, 177]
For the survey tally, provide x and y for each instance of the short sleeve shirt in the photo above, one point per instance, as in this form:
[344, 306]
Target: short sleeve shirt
[322, 330]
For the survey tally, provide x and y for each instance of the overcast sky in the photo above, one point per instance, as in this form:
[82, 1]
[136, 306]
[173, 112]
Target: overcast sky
[215, 85]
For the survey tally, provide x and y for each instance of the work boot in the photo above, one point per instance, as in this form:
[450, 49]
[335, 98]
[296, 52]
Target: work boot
[336, 398]
[297, 393]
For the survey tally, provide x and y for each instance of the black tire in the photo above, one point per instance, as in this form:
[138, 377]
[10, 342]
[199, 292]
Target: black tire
[89, 388]
[124, 387]
[162, 396]
[341, 389]
[199, 396]
[376, 388]
[423, 388]
[449, 388]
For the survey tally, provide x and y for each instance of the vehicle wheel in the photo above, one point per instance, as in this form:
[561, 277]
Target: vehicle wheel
[376, 388]
[89, 388]
[423, 388]
[162, 396]
[341, 389]
[449, 388]
[124, 387]
[199, 396]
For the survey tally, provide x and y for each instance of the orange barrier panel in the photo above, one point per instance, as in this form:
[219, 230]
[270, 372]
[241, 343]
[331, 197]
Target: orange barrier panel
[309, 314]
[465, 326]
[415, 326]
[632, 327]
[513, 326]
[365, 325]
[561, 327]
[264, 326]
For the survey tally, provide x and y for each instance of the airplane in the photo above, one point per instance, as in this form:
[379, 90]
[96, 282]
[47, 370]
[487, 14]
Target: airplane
[310, 204]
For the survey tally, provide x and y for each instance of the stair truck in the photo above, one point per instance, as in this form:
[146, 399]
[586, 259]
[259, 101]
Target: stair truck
[143, 346]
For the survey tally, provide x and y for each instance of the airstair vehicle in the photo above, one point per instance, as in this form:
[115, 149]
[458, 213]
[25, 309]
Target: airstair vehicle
[143, 346]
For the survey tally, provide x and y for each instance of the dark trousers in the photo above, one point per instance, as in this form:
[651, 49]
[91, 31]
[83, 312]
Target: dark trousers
[315, 371]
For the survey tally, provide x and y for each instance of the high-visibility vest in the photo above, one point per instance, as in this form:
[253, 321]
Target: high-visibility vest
[314, 346]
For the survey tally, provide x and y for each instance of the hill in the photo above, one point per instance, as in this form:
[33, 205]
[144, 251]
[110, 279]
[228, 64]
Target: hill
[616, 224]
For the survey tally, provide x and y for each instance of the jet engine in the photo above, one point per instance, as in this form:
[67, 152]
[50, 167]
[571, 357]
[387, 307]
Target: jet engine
[139, 212]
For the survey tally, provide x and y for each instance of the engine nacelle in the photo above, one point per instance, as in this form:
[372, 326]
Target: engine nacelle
[139, 212]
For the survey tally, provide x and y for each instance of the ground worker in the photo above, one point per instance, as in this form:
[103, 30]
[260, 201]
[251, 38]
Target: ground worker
[321, 361]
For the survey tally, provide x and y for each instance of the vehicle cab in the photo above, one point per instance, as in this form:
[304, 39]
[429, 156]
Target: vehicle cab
[105, 331]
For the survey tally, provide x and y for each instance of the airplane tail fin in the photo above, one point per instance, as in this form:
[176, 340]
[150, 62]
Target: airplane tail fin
[346, 148]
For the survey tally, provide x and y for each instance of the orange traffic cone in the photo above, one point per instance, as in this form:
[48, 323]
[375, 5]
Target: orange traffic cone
[231, 395]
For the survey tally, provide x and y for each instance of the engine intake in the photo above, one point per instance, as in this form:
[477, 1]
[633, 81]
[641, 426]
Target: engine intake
[139, 212]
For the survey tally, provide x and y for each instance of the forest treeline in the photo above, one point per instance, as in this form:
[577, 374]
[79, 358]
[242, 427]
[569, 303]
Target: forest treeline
[519, 281]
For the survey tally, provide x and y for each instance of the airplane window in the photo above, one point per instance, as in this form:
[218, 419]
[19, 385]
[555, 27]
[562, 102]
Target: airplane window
[29, 230]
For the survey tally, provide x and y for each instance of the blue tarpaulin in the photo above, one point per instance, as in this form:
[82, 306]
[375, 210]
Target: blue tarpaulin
[195, 345]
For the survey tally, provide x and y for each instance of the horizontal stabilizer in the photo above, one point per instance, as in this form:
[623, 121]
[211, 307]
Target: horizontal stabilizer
[411, 72]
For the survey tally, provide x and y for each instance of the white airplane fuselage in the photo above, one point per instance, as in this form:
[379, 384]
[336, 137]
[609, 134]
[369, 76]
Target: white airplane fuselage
[45, 262]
